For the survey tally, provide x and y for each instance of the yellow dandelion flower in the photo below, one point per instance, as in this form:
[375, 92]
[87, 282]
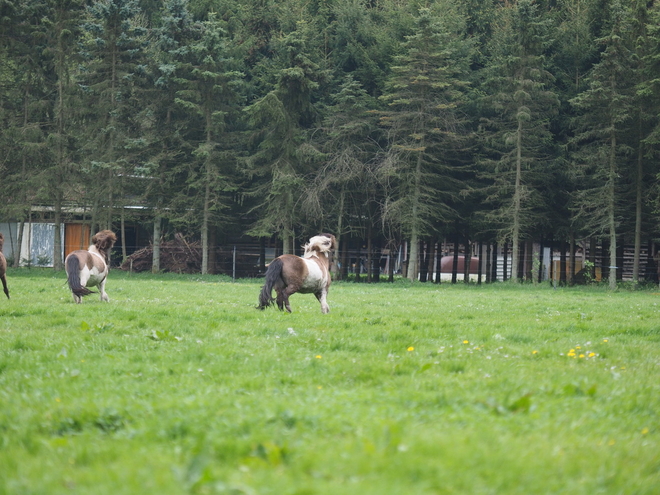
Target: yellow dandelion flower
[581, 355]
[318, 356]
[411, 348]
[535, 352]
[592, 354]
[466, 341]
[578, 347]
[645, 431]
[606, 340]
[319, 387]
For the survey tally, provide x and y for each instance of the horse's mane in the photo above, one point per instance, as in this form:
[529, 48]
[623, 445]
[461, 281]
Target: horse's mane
[104, 241]
[322, 243]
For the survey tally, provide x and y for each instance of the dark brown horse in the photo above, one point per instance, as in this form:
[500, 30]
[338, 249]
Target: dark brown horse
[289, 274]
[3, 267]
[90, 268]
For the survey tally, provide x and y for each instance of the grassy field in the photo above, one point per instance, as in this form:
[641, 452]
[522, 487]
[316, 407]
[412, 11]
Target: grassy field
[180, 386]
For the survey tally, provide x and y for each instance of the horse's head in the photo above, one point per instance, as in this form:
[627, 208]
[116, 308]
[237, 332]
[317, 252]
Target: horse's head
[104, 241]
[322, 243]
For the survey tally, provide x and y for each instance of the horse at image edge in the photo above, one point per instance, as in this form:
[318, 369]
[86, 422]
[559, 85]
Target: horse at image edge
[3, 266]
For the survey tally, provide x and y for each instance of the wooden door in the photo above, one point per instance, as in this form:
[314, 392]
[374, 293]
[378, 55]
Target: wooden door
[76, 236]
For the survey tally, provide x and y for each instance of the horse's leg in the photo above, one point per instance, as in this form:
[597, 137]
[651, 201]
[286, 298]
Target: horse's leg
[322, 297]
[84, 277]
[280, 298]
[289, 290]
[104, 296]
[4, 285]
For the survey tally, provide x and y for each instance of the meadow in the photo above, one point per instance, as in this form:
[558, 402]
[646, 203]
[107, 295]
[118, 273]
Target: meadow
[179, 385]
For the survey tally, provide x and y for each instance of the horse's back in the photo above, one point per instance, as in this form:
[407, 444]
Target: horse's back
[83, 258]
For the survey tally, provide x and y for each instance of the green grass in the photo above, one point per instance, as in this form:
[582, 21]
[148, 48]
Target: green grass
[179, 386]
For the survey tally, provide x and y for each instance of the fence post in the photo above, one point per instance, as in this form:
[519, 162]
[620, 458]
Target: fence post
[233, 270]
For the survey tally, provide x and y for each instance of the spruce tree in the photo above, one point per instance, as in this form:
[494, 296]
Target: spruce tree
[519, 102]
[606, 110]
[209, 93]
[424, 94]
[281, 153]
[112, 54]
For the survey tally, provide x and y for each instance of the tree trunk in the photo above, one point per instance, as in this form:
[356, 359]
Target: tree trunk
[438, 263]
[493, 277]
[369, 257]
[593, 247]
[430, 257]
[413, 267]
[562, 263]
[413, 255]
[489, 268]
[454, 267]
[517, 193]
[57, 244]
[571, 259]
[638, 207]
[423, 262]
[155, 266]
[262, 255]
[611, 210]
[19, 241]
[467, 260]
[334, 267]
[540, 273]
[123, 234]
[505, 267]
[480, 250]
[287, 245]
[205, 224]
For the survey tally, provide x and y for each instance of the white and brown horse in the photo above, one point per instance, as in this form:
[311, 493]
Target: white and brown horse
[289, 274]
[3, 266]
[90, 268]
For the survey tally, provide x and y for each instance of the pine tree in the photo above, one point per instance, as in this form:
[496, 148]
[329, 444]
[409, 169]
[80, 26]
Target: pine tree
[520, 100]
[424, 94]
[25, 66]
[63, 35]
[113, 54]
[646, 114]
[209, 92]
[346, 185]
[606, 110]
[281, 152]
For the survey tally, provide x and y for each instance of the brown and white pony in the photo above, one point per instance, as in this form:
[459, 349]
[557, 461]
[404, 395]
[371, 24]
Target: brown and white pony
[3, 266]
[90, 268]
[289, 274]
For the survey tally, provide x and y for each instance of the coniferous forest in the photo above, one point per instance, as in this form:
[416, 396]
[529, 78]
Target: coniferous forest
[474, 121]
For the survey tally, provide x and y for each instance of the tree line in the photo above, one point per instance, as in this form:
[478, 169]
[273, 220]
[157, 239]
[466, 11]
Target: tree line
[386, 120]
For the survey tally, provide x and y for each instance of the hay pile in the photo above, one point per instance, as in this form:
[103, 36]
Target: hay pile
[176, 256]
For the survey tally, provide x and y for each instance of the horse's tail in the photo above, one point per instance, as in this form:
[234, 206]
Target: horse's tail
[3, 273]
[73, 277]
[273, 274]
